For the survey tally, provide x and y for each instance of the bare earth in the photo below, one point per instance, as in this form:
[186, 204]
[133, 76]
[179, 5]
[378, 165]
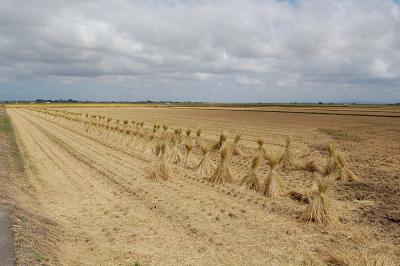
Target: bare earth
[109, 213]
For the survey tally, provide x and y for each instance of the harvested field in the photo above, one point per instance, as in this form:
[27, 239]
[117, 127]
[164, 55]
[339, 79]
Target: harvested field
[94, 185]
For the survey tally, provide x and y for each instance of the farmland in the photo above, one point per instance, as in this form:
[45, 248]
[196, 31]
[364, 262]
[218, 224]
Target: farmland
[110, 204]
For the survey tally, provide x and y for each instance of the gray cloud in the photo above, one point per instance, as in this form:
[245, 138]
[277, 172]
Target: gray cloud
[201, 50]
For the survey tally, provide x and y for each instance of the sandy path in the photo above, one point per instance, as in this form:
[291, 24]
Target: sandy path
[112, 215]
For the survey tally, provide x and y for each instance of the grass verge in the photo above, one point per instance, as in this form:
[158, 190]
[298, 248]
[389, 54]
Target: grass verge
[14, 158]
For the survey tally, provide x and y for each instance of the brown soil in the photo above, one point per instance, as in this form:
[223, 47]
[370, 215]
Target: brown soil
[111, 214]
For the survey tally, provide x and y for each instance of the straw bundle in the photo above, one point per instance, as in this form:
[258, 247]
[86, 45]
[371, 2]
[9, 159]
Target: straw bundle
[250, 180]
[319, 207]
[273, 182]
[190, 160]
[159, 166]
[205, 167]
[222, 173]
[198, 142]
[287, 157]
[175, 156]
[235, 149]
[221, 142]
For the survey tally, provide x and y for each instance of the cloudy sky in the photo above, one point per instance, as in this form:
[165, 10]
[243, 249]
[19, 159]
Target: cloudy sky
[201, 50]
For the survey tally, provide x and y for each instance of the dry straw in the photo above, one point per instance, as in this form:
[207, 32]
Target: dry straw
[175, 156]
[121, 136]
[149, 150]
[141, 130]
[159, 167]
[188, 137]
[287, 157]
[158, 131]
[331, 165]
[235, 149]
[165, 131]
[319, 207]
[273, 182]
[177, 135]
[140, 145]
[190, 159]
[205, 167]
[220, 144]
[128, 138]
[310, 166]
[198, 142]
[250, 180]
[222, 173]
[260, 151]
[337, 166]
[133, 142]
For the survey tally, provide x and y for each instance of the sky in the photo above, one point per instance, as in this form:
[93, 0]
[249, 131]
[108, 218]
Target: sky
[201, 50]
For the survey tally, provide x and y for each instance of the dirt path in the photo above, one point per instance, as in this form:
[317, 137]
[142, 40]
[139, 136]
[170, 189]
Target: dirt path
[6, 240]
[112, 215]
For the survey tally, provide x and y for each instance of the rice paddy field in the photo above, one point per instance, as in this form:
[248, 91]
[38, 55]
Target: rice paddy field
[137, 185]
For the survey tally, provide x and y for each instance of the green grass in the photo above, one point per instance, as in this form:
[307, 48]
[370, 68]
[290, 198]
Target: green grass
[5, 124]
[14, 157]
[40, 258]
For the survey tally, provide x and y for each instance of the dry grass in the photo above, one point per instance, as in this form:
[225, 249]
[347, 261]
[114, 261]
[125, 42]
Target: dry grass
[198, 142]
[205, 167]
[222, 174]
[235, 148]
[159, 167]
[319, 207]
[190, 159]
[309, 167]
[35, 235]
[287, 157]
[344, 172]
[178, 135]
[336, 166]
[149, 151]
[250, 180]
[221, 142]
[272, 185]
[175, 155]
[260, 151]
[165, 132]
[188, 132]
[363, 258]
[140, 142]
[276, 236]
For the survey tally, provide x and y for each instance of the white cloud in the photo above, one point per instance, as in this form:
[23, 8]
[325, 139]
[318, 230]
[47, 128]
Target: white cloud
[202, 76]
[332, 45]
[248, 81]
[381, 69]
